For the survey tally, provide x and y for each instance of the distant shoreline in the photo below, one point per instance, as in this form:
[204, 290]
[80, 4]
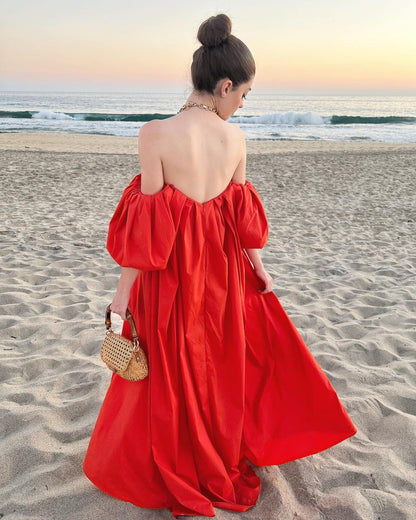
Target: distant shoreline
[107, 144]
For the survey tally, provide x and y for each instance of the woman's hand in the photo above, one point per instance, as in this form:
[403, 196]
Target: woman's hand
[265, 278]
[119, 305]
[121, 299]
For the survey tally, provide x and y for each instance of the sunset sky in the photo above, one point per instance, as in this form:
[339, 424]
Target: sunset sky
[354, 46]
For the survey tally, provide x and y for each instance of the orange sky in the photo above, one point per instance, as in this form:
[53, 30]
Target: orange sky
[366, 45]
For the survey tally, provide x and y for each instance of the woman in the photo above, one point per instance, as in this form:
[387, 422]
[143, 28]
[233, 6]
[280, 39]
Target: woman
[230, 379]
[176, 142]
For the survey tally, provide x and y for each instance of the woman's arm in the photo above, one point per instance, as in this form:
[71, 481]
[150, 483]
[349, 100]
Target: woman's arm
[253, 254]
[255, 258]
[122, 296]
[260, 271]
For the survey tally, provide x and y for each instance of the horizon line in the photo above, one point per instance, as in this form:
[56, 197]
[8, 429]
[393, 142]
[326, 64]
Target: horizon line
[176, 89]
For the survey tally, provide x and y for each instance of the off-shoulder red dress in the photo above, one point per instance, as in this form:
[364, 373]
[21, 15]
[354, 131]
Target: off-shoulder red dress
[230, 377]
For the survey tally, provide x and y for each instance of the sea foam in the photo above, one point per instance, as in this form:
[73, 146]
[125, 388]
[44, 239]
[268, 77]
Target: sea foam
[287, 118]
[49, 114]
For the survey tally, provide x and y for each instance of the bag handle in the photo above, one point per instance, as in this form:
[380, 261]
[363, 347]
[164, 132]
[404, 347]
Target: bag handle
[129, 317]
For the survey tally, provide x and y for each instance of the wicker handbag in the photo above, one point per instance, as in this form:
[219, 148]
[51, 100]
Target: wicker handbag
[124, 357]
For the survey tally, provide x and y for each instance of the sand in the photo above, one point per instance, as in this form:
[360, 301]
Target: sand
[342, 254]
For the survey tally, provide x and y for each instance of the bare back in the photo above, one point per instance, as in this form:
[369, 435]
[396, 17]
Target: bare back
[201, 153]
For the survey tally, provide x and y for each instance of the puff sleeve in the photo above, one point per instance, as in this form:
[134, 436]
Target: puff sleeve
[251, 219]
[142, 231]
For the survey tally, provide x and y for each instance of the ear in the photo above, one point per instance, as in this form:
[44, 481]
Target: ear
[226, 87]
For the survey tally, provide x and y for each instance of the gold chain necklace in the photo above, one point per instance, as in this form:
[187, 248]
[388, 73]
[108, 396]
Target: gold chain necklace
[199, 105]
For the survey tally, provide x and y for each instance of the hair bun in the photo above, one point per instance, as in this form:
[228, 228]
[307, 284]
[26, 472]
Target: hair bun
[215, 30]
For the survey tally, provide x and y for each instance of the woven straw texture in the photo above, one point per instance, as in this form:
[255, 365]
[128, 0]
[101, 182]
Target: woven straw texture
[117, 353]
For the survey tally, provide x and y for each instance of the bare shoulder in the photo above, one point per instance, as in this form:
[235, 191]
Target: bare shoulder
[238, 137]
[151, 129]
[235, 130]
[149, 156]
[150, 136]
[239, 141]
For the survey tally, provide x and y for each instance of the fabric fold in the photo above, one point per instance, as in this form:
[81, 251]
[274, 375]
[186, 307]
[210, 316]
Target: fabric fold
[251, 217]
[230, 379]
[142, 231]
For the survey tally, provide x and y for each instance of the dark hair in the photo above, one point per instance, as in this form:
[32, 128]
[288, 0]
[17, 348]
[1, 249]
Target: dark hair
[221, 55]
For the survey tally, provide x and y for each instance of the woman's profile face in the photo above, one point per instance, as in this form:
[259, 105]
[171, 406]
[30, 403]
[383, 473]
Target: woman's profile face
[231, 100]
[243, 90]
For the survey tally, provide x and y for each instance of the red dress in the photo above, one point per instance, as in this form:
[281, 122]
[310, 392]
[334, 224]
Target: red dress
[230, 378]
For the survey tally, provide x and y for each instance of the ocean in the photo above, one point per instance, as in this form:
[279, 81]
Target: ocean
[266, 114]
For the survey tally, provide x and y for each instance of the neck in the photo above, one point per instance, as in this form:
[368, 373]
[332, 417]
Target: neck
[206, 99]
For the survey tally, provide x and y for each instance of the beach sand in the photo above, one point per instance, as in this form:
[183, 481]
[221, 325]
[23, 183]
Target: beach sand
[342, 253]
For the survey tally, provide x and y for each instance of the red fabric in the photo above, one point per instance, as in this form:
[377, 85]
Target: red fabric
[230, 378]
